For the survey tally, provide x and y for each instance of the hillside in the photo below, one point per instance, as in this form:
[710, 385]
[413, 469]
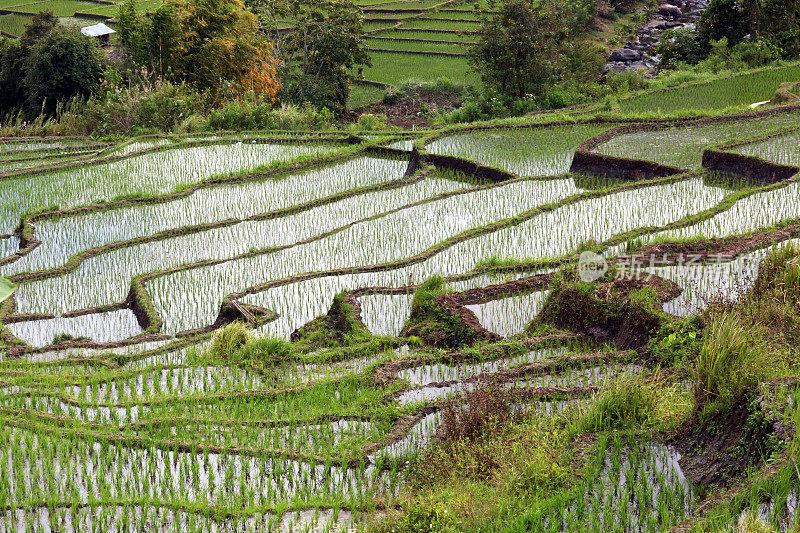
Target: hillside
[573, 320]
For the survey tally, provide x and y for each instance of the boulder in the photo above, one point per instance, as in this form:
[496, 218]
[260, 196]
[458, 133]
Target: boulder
[625, 55]
[670, 11]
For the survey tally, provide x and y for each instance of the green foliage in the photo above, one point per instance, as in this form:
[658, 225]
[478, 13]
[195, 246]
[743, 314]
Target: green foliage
[528, 47]
[6, 289]
[327, 40]
[737, 34]
[724, 19]
[369, 122]
[160, 106]
[682, 45]
[62, 337]
[229, 340]
[62, 65]
[252, 114]
[627, 402]
[518, 50]
[678, 342]
[215, 45]
[50, 65]
[625, 81]
[746, 54]
[734, 358]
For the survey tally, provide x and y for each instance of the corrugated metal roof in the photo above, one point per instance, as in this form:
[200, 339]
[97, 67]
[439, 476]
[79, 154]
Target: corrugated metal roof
[98, 30]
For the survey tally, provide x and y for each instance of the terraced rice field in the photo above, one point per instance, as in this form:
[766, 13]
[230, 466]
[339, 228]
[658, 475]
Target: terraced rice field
[130, 258]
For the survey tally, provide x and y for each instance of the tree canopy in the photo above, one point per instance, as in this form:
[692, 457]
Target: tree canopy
[47, 65]
[519, 51]
[325, 42]
[212, 44]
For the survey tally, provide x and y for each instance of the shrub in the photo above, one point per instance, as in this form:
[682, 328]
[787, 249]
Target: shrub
[160, 106]
[253, 114]
[625, 81]
[369, 122]
[484, 412]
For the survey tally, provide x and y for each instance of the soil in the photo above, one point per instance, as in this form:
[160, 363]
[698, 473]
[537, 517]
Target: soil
[718, 452]
[408, 111]
[725, 246]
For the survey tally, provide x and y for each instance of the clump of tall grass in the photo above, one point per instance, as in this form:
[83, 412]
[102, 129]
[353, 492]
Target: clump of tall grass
[229, 340]
[735, 357]
[779, 276]
[264, 350]
[623, 403]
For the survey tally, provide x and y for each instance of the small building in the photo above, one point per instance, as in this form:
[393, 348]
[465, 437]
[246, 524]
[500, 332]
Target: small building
[99, 31]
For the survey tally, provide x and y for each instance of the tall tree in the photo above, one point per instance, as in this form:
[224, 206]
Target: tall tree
[519, 51]
[49, 64]
[62, 64]
[325, 41]
[213, 44]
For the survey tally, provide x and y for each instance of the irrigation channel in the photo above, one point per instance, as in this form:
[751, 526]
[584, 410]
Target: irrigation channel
[130, 257]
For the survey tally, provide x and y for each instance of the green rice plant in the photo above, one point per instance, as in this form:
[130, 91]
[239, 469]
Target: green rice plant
[682, 146]
[718, 94]
[395, 68]
[782, 149]
[388, 44]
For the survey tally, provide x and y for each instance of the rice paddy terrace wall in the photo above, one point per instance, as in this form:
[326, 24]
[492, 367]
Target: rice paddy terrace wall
[109, 338]
[588, 160]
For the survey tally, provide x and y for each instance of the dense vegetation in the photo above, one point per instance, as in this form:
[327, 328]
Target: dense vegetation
[230, 303]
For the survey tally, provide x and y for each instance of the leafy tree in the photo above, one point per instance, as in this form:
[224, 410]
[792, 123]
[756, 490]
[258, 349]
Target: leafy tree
[519, 51]
[777, 21]
[326, 40]
[213, 44]
[774, 21]
[13, 53]
[724, 19]
[47, 64]
[61, 65]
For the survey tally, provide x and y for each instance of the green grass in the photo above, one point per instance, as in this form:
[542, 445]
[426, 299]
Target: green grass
[461, 37]
[739, 90]
[416, 46]
[364, 95]
[62, 8]
[469, 15]
[441, 25]
[14, 24]
[396, 68]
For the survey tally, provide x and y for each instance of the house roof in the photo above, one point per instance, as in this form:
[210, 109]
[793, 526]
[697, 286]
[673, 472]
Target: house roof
[98, 30]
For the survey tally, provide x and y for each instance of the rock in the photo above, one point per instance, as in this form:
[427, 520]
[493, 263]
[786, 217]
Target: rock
[625, 55]
[668, 10]
[637, 65]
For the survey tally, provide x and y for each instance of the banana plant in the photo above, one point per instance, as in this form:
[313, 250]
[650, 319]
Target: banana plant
[6, 288]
